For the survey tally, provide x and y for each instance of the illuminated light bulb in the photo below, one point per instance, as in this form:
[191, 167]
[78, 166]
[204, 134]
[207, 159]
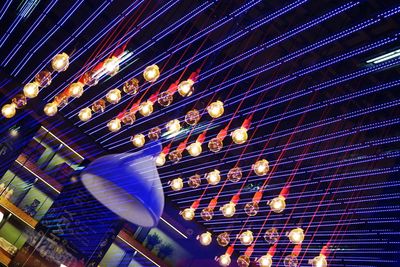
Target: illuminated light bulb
[265, 261]
[319, 261]
[261, 167]
[76, 89]
[60, 62]
[235, 174]
[89, 79]
[31, 90]
[224, 260]
[291, 261]
[243, 261]
[239, 136]
[113, 96]
[216, 109]
[151, 73]
[131, 87]
[146, 108]
[192, 117]
[165, 99]
[223, 239]
[194, 181]
[194, 149]
[173, 126]
[246, 238]
[215, 145]
[128, 118]
[185, 88]
[271, 236]
[205, 238]
[251, 208]
[85, 114]
[228, 210]
[160, 159]
[8, 110]
[175, 156]
[19, 101]
[99, 106]
[296, 236]
[207, 214]
[111, 65]
[114, 125]
[43, 78]
[187, 214]
[277, 204]
[213, 177]
[154, 133]
[176, 184]
[50, 109]
[138, 140]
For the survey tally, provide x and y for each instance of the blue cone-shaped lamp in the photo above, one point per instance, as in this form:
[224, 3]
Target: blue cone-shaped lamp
[128, 184]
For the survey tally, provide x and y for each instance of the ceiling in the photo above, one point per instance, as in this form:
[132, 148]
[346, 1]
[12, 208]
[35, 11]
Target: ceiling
[326, 121]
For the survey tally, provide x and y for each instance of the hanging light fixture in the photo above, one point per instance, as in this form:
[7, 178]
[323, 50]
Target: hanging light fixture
[266, 260]
[89, 79]
[173, 126]
[165, 98]
[235, 174]
[205, 238]
[296, 236]
[271, 236]
[239, 136]
[8, 110]
[151, 73]
[278, 204]
[50, 109]
[223, 239]
[208, 212]
[128, 118]
[176, 155]
[216, 109]
[31, 90]
[43, 78]
[291, 260]
[185, 88]
[99, 106]
[252, 208]
[146, 108]
[195, 148]
[229, 209]
[113, 96]
[188, 213]
[131, 87]
[215, 145]
[154, 133]
[114, 125]
[320, 260]
[194, 181]
[76, 89]
[176, 184]
[192, 117]
[19, 100]
[111, 65]
[138, 140]
[60, 62]
[213, 177]
[160, 159]
[261, 167]
[246, 238]
[85, 114]
[225, 259]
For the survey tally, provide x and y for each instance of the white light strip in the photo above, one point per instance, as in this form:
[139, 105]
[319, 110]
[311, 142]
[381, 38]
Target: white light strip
[385, 57]
[76, 153]
[170, 225]
[37, 176]
[141, 253]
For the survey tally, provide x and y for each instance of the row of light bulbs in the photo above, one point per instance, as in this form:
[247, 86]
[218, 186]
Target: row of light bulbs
[59, 63]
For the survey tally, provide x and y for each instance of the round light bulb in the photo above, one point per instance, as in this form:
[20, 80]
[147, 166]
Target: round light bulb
[128, 118]
[111, 65]
[60, 62]
[251, 208]
[185, 88]
[99, 106]
[114, 125]
[131, 87]
[177, 184]
[154, 133]
[50, 109]
[277, 204]
[113, 96]
[138, 140]
[271, 236]
[261, 167]
[76, 89]
[243, 261]
[213, 177]
[31, 90]
[319, 261]
[160, 159]
[165, 98]
[291, 261]
[85, 114]
[205, 238]
[19, 100]
[146, 108]
[192, 117]
[151, 73]
[296, 236]
[224, 260]
[194, 181]
[223, 239]
[239, 136]
[235, 174]
[188, 214]
[246, 238]
[43, 78]
[8, 110]
[265, 261]
[173, 126]
[228, 210]
[194, 149]
[216, 109]
[215, 145]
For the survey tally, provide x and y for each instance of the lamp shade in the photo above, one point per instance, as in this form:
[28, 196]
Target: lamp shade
[128, 184]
